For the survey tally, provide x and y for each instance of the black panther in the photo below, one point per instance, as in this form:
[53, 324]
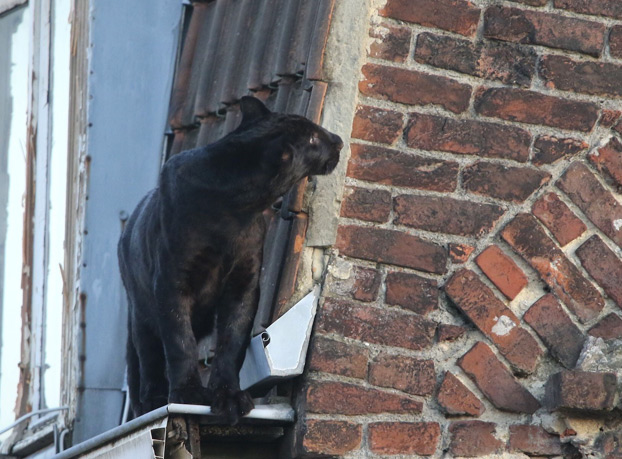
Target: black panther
[190, 256]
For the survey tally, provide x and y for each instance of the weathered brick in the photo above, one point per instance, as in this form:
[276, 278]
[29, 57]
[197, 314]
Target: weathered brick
[608, 118]
[507, 63]
[446, 215]
[473, 439]
[558, 218]
[413, 376]
[459, 16]
[467, 137]
[610, 327]
[611, 8]
[608, 160]
[377, 124]
[390, 327]
[460, 253]
[526, 236]
[331, 397]
[596, 202]
[495, 381]
[391, 42]
[534, 440]
[494, 320]
[562, 337]
[331, 437]
[514, 184]
[393, 247]
[456, 399]
[420, 438]
[366, 284]
[502, 271]
[581, 390]
[414, 88]
[412, 292]
[615, 41]
[449, 332]
[603, 265]
[365, 204]
[597, 78]
[354, 281]
[548, 149]
[539, 28]
[390, 167]
[536, 108]
[338, 358]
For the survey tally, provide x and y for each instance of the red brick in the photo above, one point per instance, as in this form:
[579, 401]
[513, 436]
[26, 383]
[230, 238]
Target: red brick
[331, 397]
[597, 203]
[609, 118]
[366, 284]
[558, 218]
[420, 438]
[611, 8]
[361, 284]
[502, 271]
[414, 88]
[467, 137]
[460, 253]
[493, 319]
[603, 265]
[458, 16]
[534, 440]
[608, 160]
[412, 292]
[390, 327]
[536, 108]
[581, 391]
[456, 399]
[597, 78]
[539, 28]
[446, 215]
[393, 247]
[615, 41]
[495, 381]
[507, 63]
[331, 437]
[549, 149]
[364, 204]
[560, 335]
[514, 184]
[449, 332]
[390, 167]
[377, 124]
[409, 375]
[390, 42]
[526, 236]
[618, 127]
[338, 358]
[473, 439]
[608, 328]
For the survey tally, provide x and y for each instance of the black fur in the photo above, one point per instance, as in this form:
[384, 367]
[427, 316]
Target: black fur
[190, 256]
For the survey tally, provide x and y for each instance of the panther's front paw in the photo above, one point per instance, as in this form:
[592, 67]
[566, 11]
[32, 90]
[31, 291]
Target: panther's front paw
[191, 395]
[232, 404]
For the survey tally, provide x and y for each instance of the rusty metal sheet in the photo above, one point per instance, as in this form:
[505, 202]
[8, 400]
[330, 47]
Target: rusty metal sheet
[315, 60]
[291, 263]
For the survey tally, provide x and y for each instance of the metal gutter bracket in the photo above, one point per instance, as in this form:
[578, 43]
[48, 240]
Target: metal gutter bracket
[279, 352]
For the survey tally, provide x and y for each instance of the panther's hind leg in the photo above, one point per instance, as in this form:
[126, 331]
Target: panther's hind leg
[153, 385]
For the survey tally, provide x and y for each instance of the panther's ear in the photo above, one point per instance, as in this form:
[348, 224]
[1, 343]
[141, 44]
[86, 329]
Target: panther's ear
[252, 109]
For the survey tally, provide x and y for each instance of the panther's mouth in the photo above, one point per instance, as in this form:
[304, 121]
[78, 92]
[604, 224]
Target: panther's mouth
[330, 165]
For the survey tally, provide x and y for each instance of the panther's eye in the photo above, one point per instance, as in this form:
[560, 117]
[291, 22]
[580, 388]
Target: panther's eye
[314, 140]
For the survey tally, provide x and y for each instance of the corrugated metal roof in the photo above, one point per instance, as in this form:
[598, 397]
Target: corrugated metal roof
[272, 49]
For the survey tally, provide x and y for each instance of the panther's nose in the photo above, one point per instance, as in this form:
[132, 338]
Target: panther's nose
[336, 141]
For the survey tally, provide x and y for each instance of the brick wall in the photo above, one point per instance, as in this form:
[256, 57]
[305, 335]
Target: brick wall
[472, 303]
